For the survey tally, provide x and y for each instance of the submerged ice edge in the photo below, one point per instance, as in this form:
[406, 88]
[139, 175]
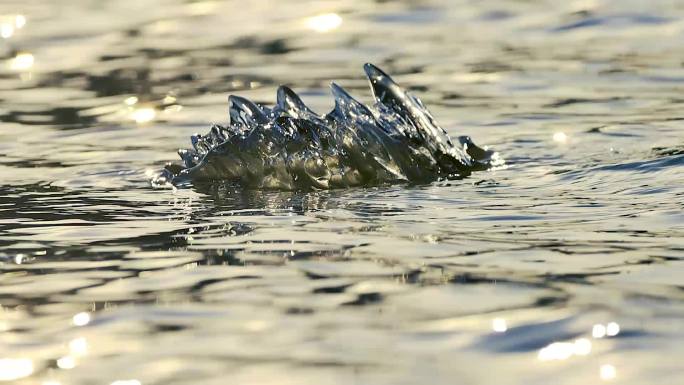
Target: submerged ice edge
[290, 147]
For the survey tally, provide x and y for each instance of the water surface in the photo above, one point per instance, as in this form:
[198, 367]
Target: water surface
[566, 267]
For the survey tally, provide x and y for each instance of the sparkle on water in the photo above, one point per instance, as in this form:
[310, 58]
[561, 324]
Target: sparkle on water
[324, 23]
[23, 61]
[81, 319]
[10, 24]
[608, 372]
[566, 266]
[126, 382]
[15, 368]
[499, 325]
[143, 114]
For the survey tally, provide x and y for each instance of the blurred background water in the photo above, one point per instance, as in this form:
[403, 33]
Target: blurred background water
[565, 268]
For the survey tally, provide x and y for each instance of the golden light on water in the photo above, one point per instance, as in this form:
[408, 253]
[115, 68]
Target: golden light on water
[126, 382]
[499, 325]
[612, 329]
[173, 108]
[476, 77]
[81, 319]
[9, 25]
[78, 346]
[598, 331]
[563, 350]
[6, 30]
[21, 62]
[256, 325]
[582, 347]
[19, 21]
[607, 372]
[202, 7]
[15, 368]
[131, 100]
[609, 330]
[324, 23]
[143, 115]
[139, 114]
[560, 137]
[66, 362]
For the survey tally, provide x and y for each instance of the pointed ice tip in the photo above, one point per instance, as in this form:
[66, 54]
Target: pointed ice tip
[337, 90]
[375, 74]
[341, 96]
[345, 102]
[288, 100]
[381, 84]
[284, 93]
[238, 104]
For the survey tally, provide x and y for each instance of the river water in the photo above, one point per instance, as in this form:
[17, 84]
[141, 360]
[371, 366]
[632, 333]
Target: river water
[566, 267]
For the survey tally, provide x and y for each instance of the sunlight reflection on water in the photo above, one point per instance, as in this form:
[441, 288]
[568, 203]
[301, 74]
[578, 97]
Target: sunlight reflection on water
[15, 368]
[23, 61]
[324, 23]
